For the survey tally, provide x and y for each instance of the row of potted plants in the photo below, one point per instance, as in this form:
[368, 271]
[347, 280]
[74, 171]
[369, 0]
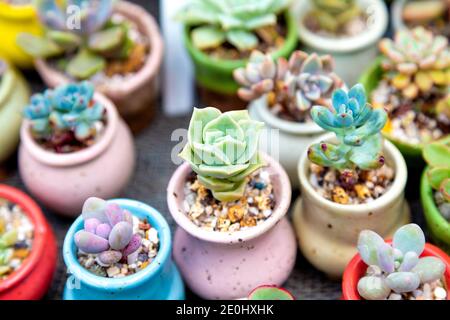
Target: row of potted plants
[229, 199]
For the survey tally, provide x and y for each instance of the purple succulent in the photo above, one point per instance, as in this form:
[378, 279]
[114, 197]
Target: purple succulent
[108, 232]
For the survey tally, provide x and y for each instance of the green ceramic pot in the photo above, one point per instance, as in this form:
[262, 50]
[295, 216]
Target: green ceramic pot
[438, 226]
[412, 152]
[217, 75]
[14, 96]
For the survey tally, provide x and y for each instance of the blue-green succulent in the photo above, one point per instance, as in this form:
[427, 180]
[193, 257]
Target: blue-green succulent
[68, 111]
[357, 127]
[222, 149]
[398, 267]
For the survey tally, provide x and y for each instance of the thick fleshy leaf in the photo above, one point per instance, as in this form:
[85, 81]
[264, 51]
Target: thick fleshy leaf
[385, 257]
[109, 257]
[38, 47]
[312, 64]
[94, 208]
[216, 184]
[66, 40]
[358, 93]
[373, 288]
[103, 230]
[222, 172]
[410, 260]
[437, 154]
[90, 225]
[120, 235]
[368, 156]
[90, 243]
[82, 131]
[211, 155]
[339, 98]
[368, 244]
[410, 237]
[270, 293]
[207, 37]
[200, 118]
[402, 282]
[85, 64]
[226, 124]
[107, 40]
[437, 175]
[429, 269]
[232, 195]
[133, 245]
[242, 39]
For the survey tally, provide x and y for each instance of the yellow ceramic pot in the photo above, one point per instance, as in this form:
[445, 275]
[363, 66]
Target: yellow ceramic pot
[14, 96]
[14, 20]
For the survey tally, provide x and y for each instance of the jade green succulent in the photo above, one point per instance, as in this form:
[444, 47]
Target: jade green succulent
[357, 127]
[437, 156]
[291, 87]
[398, 267]
[65, 116]
[222, 149]
[80, 40]
[267, 292]
[331, 15]
[416, 62]
[215, 22]
[7, 241]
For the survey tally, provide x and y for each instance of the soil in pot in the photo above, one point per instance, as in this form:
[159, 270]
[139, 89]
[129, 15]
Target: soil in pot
[16, 237]
[253, 208]
[360, 186]
[335, 23]
[432, 14]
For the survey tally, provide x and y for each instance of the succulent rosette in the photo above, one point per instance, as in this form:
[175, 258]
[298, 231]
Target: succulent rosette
[357, 127]
[417, 61]
[38, 112]
[222, 149]
[108, 232]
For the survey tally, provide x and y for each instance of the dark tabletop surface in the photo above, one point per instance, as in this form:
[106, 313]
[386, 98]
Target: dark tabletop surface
[149, 183]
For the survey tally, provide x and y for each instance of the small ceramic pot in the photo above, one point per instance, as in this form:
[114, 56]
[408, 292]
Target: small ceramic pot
[438, 226]
[351, 54]
[412, 152]
[15, 19]
[228, 265]
[397, 15]
[328, 232]
[215, 77]
[134, 98]
[14, 96]
[64, 181]
[357, 268]
[160, 280]
[33, 278]
[283, 140]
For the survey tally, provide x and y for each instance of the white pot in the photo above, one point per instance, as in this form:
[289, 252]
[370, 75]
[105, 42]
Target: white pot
[327, 231]
[397, 15]
[283, 140]
[352, 54]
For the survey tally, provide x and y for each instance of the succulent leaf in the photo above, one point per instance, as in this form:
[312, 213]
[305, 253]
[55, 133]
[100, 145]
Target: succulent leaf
[373, 288]
[429, 269]
[401, 282]
[90, 243]
[270, 293]
[108, 40]
[408, 238]
[37, 46]
[120, 235]
[85, 64]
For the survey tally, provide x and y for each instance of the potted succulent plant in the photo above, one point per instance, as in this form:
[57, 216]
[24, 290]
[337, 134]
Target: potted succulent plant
[74, 138]
[14, 94]
[413, 88]
[432, 14]
[116, 45]
[347, 29]
[27, 247]
[349, 182]
[281, 93]
[405, 269]
[230, 202]
[270, 292]
[220, 35]
[435, 191]
[17, 16]
[120, 249]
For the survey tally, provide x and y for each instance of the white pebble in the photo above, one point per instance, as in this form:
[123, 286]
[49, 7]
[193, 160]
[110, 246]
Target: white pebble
[113, 271]
[153, 235]
[395, 296]
[440, 293]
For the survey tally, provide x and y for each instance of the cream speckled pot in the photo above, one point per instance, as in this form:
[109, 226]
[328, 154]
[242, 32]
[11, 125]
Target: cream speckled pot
[283, 140]
[350, 53]
[133, 97]
[222, 265]
[64, 181]
[328, 232]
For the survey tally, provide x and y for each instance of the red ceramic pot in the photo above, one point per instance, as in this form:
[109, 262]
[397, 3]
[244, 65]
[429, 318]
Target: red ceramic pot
[356, 269]
[32, 280]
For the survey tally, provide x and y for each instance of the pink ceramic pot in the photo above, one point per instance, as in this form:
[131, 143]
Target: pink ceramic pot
[64, 181]
[222, 265]
[135, 96]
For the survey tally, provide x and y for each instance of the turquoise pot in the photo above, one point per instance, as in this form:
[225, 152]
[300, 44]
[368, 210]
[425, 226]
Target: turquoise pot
[160, 280]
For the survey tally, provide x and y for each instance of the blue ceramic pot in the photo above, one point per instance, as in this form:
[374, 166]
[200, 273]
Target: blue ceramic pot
[160, 280]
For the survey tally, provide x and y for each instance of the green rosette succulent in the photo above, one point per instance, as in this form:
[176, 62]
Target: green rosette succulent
[437, 156]
[222, 149]
[218, 21]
